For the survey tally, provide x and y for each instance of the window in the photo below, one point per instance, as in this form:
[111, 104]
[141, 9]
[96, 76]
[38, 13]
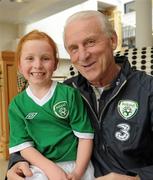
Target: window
[129, 7]
[128, 39]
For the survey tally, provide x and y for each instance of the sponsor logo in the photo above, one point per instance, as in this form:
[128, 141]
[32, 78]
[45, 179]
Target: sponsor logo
[31, 115]
[123, 134]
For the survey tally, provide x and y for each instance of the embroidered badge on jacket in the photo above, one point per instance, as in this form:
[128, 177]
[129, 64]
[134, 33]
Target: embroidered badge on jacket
[127, 108]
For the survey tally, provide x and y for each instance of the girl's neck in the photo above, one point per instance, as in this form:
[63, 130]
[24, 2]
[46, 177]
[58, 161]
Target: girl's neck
[40, 91]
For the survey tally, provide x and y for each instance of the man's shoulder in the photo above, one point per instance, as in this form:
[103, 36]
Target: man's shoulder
[144, 80]
[71, 80]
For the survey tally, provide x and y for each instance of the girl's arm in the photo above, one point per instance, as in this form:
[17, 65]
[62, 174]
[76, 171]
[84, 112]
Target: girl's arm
[51, 170]
[83, 157]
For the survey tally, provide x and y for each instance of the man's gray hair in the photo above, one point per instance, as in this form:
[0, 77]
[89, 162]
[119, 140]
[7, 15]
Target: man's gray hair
[105, 24]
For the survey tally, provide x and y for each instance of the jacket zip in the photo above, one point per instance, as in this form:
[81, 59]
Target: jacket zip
[99, 122]
[87, 102]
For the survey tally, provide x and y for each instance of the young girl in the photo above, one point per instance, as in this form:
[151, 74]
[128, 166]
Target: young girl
[48, 122]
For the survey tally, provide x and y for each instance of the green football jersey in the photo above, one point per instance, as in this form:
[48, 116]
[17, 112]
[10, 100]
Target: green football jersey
[52, 125]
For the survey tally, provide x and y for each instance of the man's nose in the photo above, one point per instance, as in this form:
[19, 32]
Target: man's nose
[83, 54]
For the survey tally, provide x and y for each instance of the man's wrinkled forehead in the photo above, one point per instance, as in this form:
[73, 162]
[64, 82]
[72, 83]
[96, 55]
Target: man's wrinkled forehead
[82, 28]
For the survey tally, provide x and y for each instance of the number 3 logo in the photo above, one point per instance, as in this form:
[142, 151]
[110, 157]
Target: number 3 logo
[123, 133]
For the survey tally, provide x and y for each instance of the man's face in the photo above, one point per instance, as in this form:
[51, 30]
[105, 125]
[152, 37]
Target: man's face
[90, 49]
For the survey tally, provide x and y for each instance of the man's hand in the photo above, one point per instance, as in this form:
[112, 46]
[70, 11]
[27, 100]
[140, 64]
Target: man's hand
[115, 176]
[19, 171]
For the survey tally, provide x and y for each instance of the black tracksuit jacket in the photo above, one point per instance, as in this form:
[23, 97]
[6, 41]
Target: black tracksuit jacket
[124, 125]
[123, 140]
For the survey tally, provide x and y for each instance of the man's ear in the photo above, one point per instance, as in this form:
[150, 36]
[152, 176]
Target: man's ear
[114, 40]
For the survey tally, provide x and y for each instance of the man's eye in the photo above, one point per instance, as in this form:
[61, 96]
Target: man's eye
[90, 43]
[73, 50]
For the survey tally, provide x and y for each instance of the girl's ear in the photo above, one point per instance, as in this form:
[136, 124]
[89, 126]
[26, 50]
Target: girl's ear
[19, 69]
[56, 64]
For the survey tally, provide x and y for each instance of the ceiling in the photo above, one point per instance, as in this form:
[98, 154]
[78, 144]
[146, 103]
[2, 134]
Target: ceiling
[32, 10]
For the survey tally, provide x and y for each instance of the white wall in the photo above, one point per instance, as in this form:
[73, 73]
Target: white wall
[54, 24]
[8, 32]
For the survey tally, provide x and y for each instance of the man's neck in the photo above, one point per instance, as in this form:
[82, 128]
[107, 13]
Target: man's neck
[107, 79]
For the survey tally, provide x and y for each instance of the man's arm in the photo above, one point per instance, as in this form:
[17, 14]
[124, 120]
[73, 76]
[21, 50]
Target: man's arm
[19, 171]
[115, 176]
[14, 158]
[18, 167]
[144, 173]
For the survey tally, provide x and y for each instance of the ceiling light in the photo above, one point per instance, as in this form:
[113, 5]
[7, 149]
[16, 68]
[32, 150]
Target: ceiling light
[18, 1]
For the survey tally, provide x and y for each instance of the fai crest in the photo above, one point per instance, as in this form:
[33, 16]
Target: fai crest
[61, 109]
[127, 108]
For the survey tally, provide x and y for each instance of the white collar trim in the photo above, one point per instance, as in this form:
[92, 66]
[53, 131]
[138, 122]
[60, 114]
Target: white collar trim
[46, 97]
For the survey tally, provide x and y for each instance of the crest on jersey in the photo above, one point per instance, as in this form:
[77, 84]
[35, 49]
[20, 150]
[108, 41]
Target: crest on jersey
[61, 109]
[127, 108]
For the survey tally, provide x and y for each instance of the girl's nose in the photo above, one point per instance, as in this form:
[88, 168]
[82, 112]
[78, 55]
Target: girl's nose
[37, 63]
